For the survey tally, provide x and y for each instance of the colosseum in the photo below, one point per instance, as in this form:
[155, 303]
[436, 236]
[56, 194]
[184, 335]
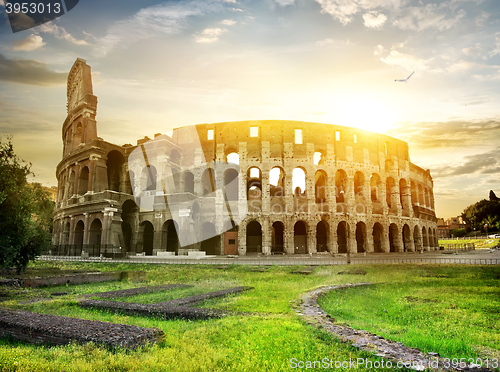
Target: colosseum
[296, 188]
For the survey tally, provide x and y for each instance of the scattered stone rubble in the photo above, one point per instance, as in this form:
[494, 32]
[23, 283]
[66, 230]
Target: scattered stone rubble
[53, 329]
[314, 315]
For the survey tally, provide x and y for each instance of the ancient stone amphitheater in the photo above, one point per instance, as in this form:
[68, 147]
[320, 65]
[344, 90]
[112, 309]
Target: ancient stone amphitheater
[298, 188]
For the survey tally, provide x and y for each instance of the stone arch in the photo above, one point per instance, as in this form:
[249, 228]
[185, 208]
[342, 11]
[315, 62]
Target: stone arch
[390, 197]
[66, 231]
[78, 137]
[231, 184]
[341, 186]
[300, 237]
[95, 233]
[299, 181]
[78, 235]
[233, 157]
[146, 234]
[322, 233]
[375, 184]
[210, 238]
[175, 157]
[320, 186]
[254, 183]
[126, 239]
[361, 237]
[71, 186]
[430, 238]
[421, 200]
[378, 233]
[425, 239]
[208, 181]
[342, 236]
[359, 185]
[417, 238]
[414, 193]
[149, 176]
[407, 238]
[114, 164]
[393, 238]
[83, 181]
[254, 237]
[278, 237]
[277, 181]
[403, 196]
[169, 237]
[188, 182]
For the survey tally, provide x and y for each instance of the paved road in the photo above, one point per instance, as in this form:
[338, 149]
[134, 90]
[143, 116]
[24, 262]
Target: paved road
[476, 257]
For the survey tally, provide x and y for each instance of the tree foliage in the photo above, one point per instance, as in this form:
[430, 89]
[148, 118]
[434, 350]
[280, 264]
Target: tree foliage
[25, 212]
[483, 212]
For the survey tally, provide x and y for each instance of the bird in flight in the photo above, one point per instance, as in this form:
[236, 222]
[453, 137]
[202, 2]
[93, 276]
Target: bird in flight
[405, 80]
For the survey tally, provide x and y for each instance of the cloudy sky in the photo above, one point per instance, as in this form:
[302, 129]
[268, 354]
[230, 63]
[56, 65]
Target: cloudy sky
[163, 64]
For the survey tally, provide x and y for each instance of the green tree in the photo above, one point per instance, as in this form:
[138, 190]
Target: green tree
[484, 211]
[25, 212]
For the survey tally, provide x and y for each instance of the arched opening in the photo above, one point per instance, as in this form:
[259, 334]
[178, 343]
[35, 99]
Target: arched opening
[147, 234]
[78, 238]
[421, 200]
[71, 186]
[378, 232]
[231, 187]
[126, 239]
[406, 238]
[95, 233]
[77, 139]
[320, 187]
[83, 181]
[66, 231]
[359, 185]
[210, 238]
[431, 238]
[254, 184]
[254, 237]
[300, 237]
[342, 237]
[299, 182]
[318, 158]
[340, 186]
[170, 240]
[390, 192]
[114, 168]
[403, 195]
[393, 234]
[189, 182]
[361, 237]
[277, 182]
[149, 177]
[322, 236]
[175, 157]
[208, 181]
[425, 240]
[375, 187]
[277, 239]
[414, 195]
[233, 158]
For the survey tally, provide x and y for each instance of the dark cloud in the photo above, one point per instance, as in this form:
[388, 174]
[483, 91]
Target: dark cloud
[485, 163]
[456, 133]
[30, 72]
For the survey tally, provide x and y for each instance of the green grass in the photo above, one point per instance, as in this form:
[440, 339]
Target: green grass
[452, 310]
[265, 342]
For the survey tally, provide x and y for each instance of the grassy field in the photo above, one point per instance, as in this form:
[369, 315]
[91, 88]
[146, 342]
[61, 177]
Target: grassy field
[478, 243]
[266, 341]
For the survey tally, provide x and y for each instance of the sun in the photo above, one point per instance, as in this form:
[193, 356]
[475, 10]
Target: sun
[365, 113]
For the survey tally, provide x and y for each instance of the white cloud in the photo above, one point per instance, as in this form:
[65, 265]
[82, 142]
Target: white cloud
[30, 43]
[407, 61]
[496, 49]
[169, 18]
[228, 22]
[374, 19]
[461, 66]
[379, 49]
[235, 10]
[59, 32]
[334, 43]
[209, 35]
[344, 10]
[284, 3]
[230, 1]
[428, 16]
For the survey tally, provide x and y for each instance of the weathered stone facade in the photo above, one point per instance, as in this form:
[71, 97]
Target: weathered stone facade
[360, 191]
